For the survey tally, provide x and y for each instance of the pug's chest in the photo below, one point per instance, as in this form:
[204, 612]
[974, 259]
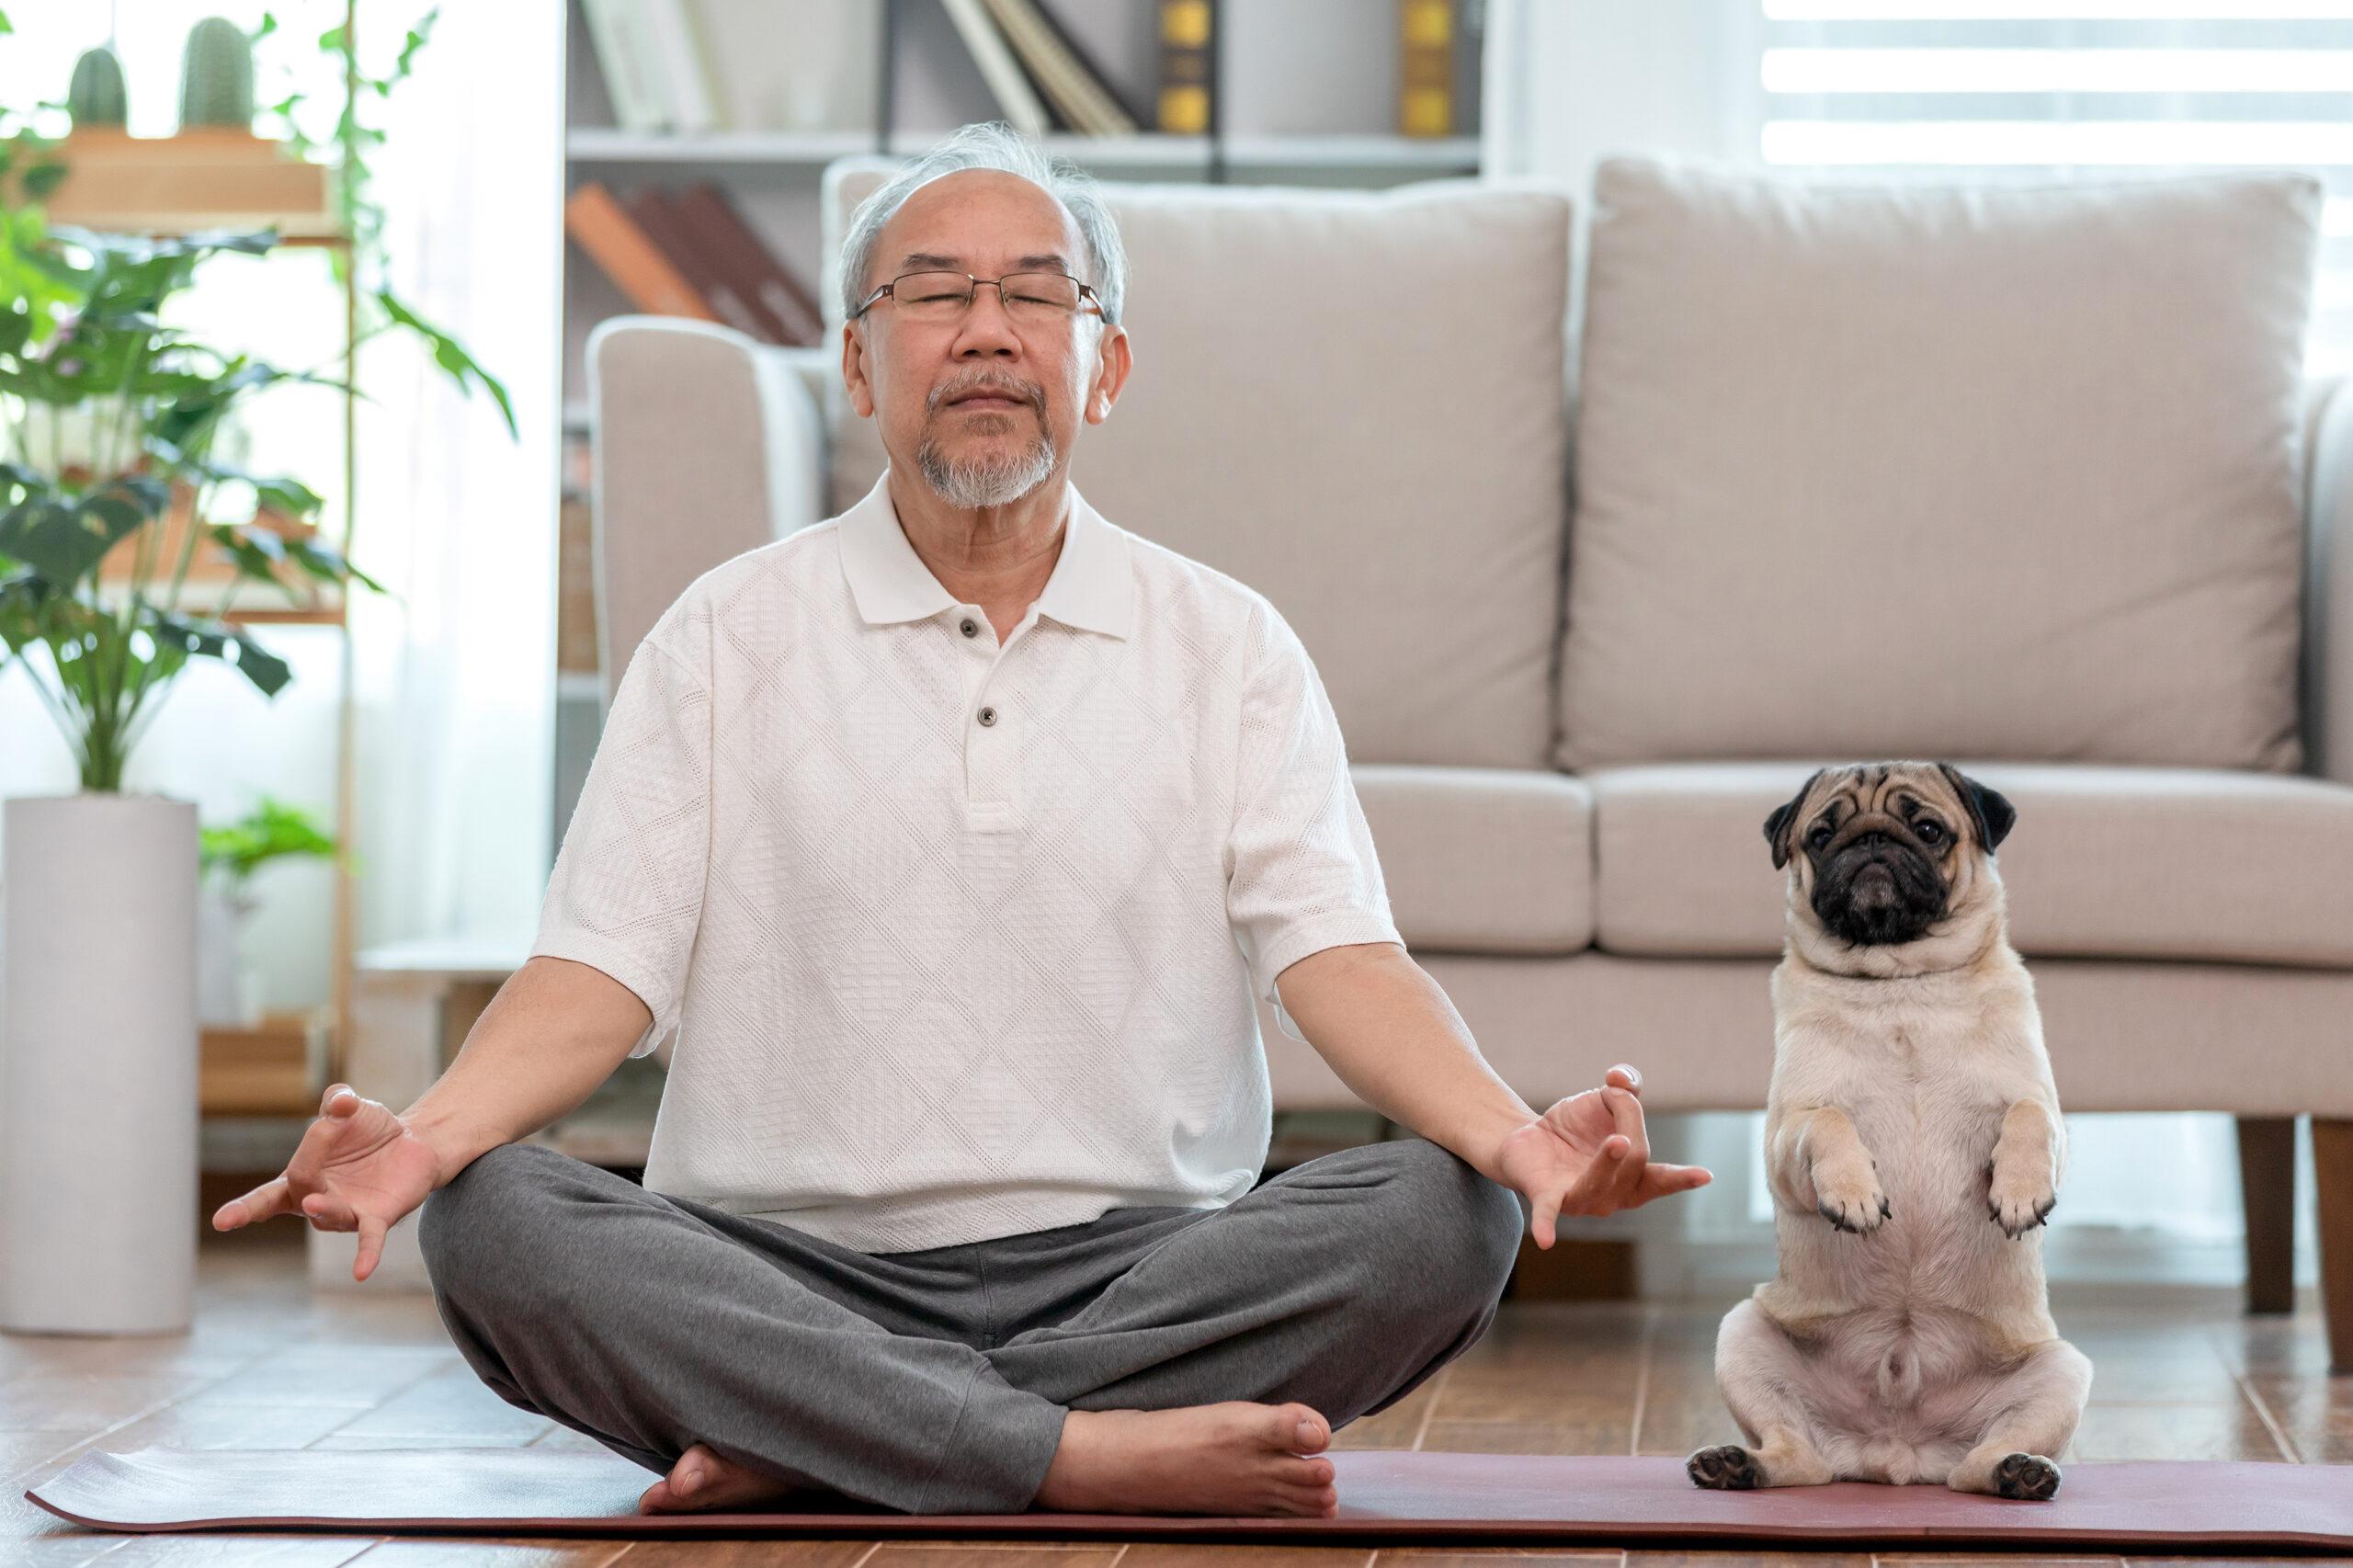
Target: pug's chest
[1930, 1124]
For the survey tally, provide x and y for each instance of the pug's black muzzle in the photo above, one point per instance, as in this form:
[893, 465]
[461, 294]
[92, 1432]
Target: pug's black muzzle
[1875, 890]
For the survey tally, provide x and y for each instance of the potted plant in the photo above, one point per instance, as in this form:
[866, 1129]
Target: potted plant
[231, 854]
[119, 490]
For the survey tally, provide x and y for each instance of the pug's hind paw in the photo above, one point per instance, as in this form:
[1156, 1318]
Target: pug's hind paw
[2030, 1477]
[1729, 1468]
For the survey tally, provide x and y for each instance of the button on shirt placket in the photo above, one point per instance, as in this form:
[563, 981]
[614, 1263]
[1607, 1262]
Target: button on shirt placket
[991, 765]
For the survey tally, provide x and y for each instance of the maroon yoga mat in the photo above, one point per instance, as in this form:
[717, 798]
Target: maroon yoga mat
[1385, 1495]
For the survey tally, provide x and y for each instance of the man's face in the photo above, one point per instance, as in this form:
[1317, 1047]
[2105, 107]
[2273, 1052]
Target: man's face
[985, 406]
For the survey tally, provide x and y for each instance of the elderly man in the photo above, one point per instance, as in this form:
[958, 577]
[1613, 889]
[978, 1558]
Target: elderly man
[954, 835]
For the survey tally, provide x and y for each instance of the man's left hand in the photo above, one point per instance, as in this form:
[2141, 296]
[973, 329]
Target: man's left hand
[1590, 1154]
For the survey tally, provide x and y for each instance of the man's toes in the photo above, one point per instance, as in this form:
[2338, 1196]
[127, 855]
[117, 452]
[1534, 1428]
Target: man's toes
[2030, 1477]
[1308, 1473]
[1301, 1429]
[1727, 1468]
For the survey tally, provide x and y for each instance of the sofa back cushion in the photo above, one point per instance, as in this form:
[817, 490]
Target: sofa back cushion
[2007, 473]
[1354, 403]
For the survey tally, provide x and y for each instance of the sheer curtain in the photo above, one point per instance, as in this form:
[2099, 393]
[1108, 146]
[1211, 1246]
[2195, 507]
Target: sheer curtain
[455, 681]
[1950, 89]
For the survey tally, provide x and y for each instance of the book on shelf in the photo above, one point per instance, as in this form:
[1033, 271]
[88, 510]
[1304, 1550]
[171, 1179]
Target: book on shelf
[1075, 87]
[765, 283]
[658, 216]
[1187, 79]
[1018, 101]
[1426, 67]
[638, 269]
[688, 253]
[656, 69]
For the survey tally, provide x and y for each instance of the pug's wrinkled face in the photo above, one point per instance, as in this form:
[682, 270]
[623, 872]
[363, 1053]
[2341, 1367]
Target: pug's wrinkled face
[1886, 850]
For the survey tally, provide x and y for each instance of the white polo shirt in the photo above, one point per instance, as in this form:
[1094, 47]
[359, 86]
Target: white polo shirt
[960, 939]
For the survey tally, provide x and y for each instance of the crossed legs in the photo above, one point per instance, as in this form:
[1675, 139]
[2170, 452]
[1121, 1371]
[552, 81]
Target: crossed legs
[655, 1324]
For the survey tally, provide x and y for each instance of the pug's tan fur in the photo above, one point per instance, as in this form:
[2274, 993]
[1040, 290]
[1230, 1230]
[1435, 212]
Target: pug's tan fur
[1914, 1146]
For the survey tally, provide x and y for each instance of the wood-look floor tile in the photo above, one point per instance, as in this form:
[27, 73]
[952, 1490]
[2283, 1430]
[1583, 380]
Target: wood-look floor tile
[232, 1549]
[2315, 1414]
[1606, 1437]
[1205, 1554]
[195, 1424]
[2175, 1432]
[1397, 1426]
[446, 1402]
[466, 1551]
[747, 1553]
[310, 1373]
[80, 1402]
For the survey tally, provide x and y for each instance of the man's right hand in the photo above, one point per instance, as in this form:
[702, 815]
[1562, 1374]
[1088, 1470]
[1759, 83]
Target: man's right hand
[359, 1167]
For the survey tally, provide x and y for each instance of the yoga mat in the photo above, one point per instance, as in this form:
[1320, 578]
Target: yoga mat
[1385, 1495]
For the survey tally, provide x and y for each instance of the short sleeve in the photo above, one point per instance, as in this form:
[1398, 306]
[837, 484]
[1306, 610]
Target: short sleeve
[626, 892]
[1302, 874]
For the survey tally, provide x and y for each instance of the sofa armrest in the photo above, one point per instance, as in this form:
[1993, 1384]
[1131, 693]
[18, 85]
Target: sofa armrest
[705, 443]
[2328, 584]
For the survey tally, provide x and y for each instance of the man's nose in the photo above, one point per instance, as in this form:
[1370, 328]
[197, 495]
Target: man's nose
[987, 329]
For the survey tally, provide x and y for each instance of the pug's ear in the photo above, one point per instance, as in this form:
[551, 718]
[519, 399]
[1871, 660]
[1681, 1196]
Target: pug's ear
[1778, 826]
[1987, 807]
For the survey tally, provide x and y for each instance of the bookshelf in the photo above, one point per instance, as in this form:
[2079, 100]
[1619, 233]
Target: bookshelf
[1305, 92]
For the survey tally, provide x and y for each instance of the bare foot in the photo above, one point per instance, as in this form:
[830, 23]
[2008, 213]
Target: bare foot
[1235, 1458]
[701, 1481]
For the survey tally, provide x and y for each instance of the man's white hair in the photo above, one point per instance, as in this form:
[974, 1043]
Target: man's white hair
[992, 144]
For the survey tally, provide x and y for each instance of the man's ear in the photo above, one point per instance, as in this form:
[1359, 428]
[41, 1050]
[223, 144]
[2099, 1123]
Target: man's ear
[854, 382]
[1113, 360]
[1783, 822]
[1988, 809]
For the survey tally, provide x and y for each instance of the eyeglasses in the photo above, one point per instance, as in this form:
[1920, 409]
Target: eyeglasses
[1035, 298]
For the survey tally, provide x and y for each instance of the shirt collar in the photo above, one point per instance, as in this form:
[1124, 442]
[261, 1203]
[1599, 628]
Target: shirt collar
[1091, 585]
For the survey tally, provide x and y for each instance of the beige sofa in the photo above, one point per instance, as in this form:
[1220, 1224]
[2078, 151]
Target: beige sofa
[2030, 481]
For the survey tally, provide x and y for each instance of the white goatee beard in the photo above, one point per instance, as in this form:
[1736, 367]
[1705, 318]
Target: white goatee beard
[984, 483]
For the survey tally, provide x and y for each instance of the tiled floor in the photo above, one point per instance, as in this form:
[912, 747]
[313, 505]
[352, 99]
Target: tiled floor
[270, 1365]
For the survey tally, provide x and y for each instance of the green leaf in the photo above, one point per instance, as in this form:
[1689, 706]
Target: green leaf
[212, 638]
[451, 357]
[60, 541]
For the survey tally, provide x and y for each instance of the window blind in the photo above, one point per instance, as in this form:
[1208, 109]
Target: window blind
[2037, 90]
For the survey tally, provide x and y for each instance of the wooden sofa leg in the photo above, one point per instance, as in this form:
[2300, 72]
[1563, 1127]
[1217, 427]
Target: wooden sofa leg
[2332, 1173]
[2267, 1189]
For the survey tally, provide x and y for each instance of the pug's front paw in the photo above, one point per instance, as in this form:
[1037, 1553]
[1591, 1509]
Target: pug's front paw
[2018, 1201]
[1848, 1195]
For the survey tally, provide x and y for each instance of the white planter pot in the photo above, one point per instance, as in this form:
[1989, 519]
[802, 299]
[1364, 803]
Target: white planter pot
[228, 989]
[99, 1064]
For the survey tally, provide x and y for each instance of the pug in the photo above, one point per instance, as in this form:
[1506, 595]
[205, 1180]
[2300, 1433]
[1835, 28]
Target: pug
[1913, 1149]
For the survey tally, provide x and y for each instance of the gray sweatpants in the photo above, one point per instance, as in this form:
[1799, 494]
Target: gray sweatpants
[937, 1382]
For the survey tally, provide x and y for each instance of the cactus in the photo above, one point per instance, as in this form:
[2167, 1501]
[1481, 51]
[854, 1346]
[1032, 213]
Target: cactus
[216, 76]
[97, 95]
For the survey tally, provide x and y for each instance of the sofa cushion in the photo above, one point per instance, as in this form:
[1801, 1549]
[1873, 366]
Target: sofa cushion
[2103, 862]
[1483, 859]
[1920, 471]
[1353, 401]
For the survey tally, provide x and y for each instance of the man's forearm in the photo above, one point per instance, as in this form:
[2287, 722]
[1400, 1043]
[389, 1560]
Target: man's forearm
[1391, 1033]
[554, 1032]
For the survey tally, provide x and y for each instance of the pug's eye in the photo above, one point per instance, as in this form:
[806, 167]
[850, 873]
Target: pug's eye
[1820, 835]
[1929, 831]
